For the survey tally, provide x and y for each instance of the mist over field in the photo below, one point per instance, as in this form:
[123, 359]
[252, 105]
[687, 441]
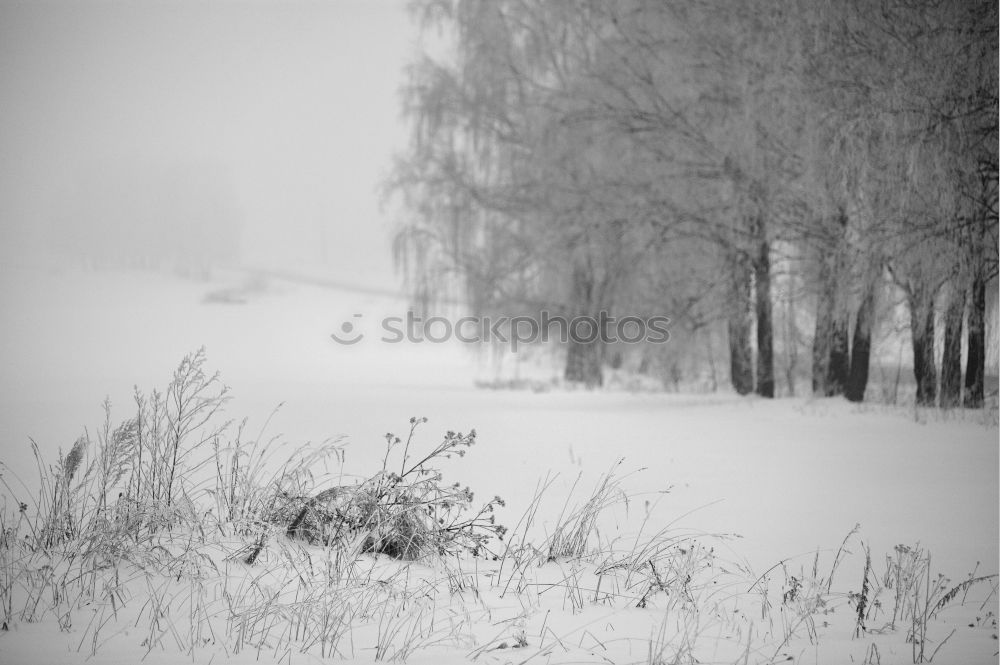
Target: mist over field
[179, 136]
[260, 233]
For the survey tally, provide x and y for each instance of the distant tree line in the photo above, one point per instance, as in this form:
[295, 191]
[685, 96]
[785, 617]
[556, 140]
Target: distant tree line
[146, 214]
[739, 165]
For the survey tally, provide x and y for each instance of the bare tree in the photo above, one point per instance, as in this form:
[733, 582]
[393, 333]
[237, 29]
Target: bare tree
[564, 151]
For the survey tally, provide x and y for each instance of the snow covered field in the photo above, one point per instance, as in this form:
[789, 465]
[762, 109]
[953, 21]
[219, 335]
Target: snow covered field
[789, 477]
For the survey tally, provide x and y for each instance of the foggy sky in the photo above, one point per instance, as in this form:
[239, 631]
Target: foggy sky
[287, 111]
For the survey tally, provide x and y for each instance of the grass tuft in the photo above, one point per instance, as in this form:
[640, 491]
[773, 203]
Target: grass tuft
[178, 530]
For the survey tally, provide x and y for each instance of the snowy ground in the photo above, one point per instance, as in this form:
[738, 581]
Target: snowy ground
[790, 477]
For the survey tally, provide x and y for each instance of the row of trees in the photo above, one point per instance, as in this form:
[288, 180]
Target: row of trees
[726, 162]
[148, 214]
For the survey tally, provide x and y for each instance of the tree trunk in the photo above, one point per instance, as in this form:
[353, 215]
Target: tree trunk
[830, 343]
[790, 343]
[951, 358]
[583, 358]
[583, 363]
[840, 358]
[765, 333]
[740, 353]
[975, 367]
[711, 361]
[840, 353]
[922, 332]
[857, 380]
[831, 359]
[822, 337]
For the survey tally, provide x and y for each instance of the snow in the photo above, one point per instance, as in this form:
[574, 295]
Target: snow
[786, 478]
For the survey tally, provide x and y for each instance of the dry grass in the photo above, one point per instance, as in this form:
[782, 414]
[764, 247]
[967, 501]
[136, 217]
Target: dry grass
[180, 525]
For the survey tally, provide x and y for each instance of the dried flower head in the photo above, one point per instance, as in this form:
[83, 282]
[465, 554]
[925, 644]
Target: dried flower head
[75, 458]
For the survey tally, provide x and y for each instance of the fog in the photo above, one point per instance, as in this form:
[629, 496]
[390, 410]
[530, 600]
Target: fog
[682, 272]
[186, 135]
